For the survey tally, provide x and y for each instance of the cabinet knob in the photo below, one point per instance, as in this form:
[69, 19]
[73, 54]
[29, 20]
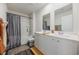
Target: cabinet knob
[52, 39]
[58, 40]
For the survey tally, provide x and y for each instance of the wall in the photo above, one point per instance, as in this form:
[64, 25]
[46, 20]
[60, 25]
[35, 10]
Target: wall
[39, 15]
[49, 8]
[3, 10]
[24, 30]
[76, 17]
[33, 22]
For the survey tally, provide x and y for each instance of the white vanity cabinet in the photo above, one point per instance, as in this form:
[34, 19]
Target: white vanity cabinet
[55, 46]
[67, 47]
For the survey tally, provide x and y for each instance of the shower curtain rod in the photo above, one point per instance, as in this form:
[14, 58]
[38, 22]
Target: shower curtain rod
[19, 15]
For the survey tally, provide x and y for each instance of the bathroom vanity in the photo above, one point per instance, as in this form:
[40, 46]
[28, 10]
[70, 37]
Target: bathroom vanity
[63, 40]
[57, 44]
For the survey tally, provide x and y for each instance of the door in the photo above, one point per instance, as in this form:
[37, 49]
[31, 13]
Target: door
[24, 30]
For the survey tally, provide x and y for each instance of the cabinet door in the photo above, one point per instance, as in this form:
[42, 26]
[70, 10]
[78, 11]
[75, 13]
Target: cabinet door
[39, 42]
[67, 47]
[51, 45]
[48, 45]
[42, 43]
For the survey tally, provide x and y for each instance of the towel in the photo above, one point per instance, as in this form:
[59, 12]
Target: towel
[2, 47]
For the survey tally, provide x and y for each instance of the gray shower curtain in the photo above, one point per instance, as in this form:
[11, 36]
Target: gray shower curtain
[13, 31]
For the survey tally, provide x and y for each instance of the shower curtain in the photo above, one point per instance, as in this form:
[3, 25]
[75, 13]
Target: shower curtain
[13, 31]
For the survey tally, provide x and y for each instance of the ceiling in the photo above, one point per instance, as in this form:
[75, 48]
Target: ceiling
[26, 8]
[64, 9]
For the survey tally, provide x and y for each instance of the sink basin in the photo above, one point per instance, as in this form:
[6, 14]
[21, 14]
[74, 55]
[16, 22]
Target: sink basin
[44, 33]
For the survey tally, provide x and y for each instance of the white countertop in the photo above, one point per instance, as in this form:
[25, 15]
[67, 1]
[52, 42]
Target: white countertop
[70, 36]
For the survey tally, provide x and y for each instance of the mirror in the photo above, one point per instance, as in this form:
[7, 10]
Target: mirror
[46, 22]
[63, 19]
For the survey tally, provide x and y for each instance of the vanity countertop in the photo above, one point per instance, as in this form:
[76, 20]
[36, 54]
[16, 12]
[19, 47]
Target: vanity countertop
[70, 36]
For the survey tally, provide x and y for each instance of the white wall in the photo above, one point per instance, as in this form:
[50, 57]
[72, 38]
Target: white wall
[24, 30]
[3, 10]
[76, 17]
[50, 8]
[39, 16]
[33, 23]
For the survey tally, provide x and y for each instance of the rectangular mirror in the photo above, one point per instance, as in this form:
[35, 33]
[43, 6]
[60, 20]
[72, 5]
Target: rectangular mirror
[63, 19]
[46, 22]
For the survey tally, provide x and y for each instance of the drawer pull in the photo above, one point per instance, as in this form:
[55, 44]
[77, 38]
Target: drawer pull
[52, 39]
[58, 40]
